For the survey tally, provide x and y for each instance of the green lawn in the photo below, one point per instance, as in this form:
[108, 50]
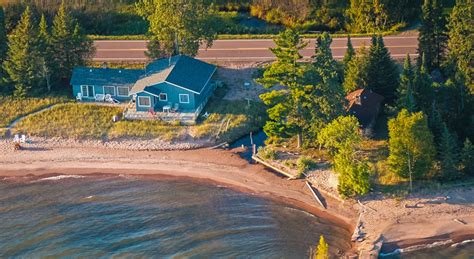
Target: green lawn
[11, 108]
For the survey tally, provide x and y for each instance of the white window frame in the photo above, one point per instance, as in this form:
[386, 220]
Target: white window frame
[109, 86]
[184, 95]
[87, 88]
[118, 92]
[165, 100]
[140, 97]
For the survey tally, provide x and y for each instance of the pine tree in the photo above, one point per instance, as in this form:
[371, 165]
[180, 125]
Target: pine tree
[71, 46]
[3, 36]
[449, 156]
[322, 251]
[467, 157]
[44, 49]
[350, 52]
[460, 43]
[286, 114]
[355, 74]
[382, 72]
[324, 98]
[3, 48]
[406, 98]
[22, 59]
[423, 87]
[411, 145]
[432, 38]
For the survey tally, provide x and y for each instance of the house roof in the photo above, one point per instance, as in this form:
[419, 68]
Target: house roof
[364, 104]
[180, 71]
[105, 76]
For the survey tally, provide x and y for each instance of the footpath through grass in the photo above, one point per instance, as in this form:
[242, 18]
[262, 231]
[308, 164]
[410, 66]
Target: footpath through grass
[12, 109]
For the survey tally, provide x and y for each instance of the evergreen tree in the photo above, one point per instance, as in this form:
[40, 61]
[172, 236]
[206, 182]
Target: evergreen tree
[350, 52]
[44, 49]
[22, 59]
[460, 43]
[3, 36]
[432, 38]
[448, 155]
[71, 47]
[406, 98]
[3, 47]
[355, 74]
[82, 47]
[467, 157]
[410, 145]
[322, 251]
[325, 96]
[181, 26]
[436, 123]
[286, 111]
[423, 87]
[382, 72]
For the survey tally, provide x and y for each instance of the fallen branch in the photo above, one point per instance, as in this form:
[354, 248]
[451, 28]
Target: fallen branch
[315, 195]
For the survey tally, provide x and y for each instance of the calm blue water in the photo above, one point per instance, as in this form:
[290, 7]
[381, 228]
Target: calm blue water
[103, 216]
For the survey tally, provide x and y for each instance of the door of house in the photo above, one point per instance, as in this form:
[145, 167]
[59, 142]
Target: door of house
[88, 91]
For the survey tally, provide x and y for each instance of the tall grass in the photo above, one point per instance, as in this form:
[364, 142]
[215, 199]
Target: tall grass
[11, 108]
[71, 120]
[147, 130]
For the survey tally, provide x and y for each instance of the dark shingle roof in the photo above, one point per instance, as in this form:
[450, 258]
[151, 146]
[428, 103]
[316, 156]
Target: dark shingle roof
[183, 71]
[105, 76]
[364, 104]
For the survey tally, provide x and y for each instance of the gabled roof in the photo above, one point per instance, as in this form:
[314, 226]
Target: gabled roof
[180, 71]
[364, 104]
[105, 76]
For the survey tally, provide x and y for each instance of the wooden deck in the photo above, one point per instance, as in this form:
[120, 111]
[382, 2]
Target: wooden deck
[130, 113]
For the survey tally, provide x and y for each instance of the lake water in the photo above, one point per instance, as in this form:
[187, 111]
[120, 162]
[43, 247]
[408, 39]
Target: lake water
[104, 216]
[461, 252]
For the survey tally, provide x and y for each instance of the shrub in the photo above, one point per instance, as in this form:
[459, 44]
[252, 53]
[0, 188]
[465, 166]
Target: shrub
[267, 153]
[304, 164]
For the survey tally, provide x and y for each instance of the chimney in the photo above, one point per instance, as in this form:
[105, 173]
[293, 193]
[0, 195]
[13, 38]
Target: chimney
[358, 100]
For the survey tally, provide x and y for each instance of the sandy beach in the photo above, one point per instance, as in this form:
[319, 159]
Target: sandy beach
[421, 219]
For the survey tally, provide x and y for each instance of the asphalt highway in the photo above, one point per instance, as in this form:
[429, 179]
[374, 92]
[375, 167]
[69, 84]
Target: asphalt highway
[246, 50]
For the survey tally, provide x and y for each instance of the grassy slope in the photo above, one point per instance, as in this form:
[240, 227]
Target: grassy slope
[91, 121]
[11, 108]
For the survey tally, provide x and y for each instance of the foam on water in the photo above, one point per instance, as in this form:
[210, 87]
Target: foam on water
[60, 177]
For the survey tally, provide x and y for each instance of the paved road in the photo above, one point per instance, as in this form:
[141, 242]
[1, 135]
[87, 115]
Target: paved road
[246, 50]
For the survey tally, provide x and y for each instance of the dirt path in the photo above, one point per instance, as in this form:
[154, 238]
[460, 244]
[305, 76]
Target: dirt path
[17, 120]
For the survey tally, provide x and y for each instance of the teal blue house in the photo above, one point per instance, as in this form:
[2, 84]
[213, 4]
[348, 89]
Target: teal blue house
[177, 84]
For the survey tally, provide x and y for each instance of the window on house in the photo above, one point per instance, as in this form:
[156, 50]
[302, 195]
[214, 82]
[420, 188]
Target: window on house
[109, 90]
[122, 91]
[163, 97]
[184, 98]
[144, 101]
